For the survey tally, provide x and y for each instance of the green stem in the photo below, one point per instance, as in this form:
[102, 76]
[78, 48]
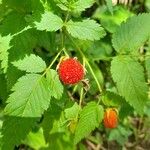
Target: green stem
[51, 64]
[55, 59]
[99, 100]
[66, 19]
[63, 35]
[65, 52]
[95, 78]
[81, 97]
[82, 90]
[74, 89]
[62, 38]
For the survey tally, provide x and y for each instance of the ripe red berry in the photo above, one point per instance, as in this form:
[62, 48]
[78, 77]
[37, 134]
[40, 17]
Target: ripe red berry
[70, 71]
[110, 118]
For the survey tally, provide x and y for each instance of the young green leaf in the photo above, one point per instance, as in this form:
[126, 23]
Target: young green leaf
[72, 112]
[32, 63]
[49, 22]
[35, 140]
[7, 26]
[31, 96]
[4, 47]
[129, 76]
[14, 130]
[85, 30]
[90, 118]
[131, 35]
[110, 6]
[55, 85]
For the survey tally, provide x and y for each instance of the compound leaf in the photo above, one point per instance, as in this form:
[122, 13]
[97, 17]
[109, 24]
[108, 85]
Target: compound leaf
[30, 97]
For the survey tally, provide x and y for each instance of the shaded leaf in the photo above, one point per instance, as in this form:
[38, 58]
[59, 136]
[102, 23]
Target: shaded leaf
[14, 130]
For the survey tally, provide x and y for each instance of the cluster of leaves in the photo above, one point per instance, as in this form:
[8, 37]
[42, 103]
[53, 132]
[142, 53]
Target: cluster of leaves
[33, 36]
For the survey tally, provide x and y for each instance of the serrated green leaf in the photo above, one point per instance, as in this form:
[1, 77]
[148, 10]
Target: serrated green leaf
[4, 46]
[85, 30]
[49, 22]
[90, 118]
[14, 130]
[129, 76]
[81, 5]
[74, 6]
[23, 45]
[72, 112]
[55, 85]
[31, 96]
[132, 34]
[32, 64]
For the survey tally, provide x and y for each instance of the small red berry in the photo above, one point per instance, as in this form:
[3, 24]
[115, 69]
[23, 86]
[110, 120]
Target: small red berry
[110, 118]
[70, 71]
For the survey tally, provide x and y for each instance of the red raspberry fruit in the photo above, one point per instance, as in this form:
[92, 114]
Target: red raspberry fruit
[70, 71]
[110, 118]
